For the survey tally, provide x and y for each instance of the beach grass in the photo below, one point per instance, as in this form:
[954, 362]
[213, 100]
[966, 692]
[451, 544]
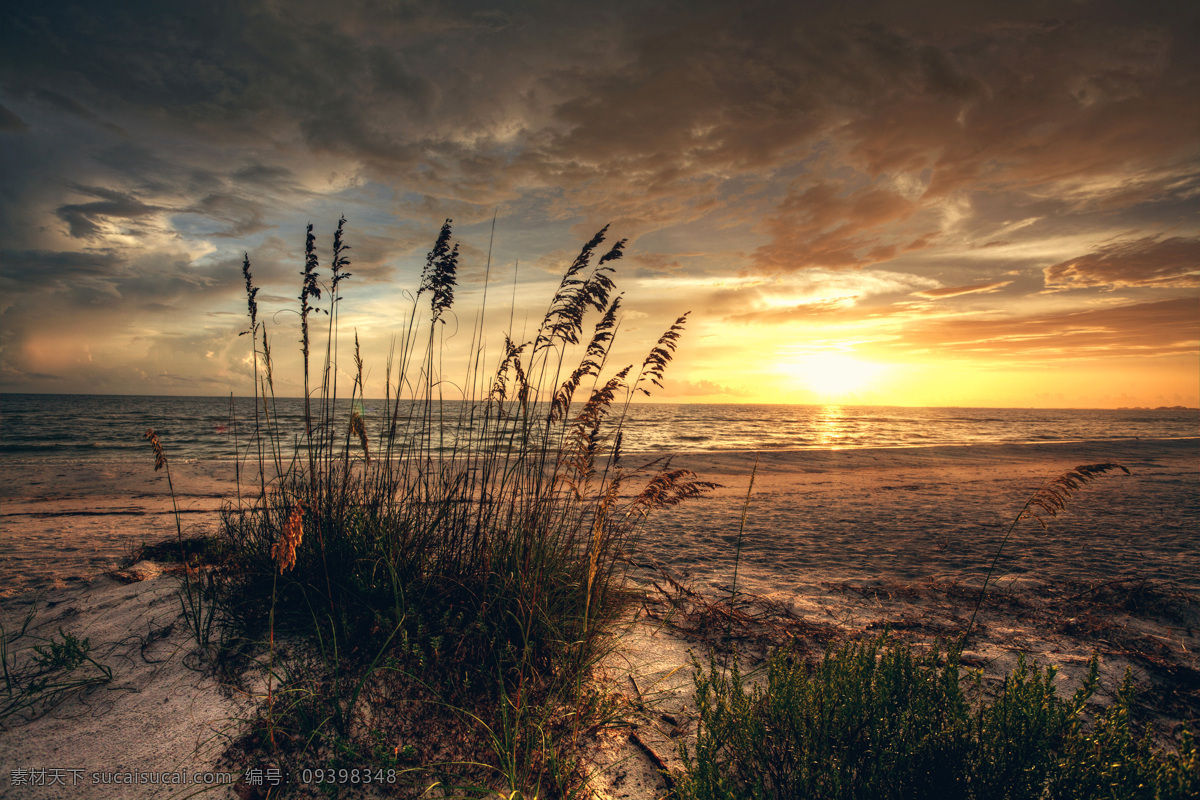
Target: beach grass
[1051, 498]
[430, 599]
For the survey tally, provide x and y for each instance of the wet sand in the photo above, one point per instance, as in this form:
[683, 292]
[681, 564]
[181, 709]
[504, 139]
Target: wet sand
[815, 516]
[61, 524]
[937, 513]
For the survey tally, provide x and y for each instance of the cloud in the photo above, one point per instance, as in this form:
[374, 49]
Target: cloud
[75, 108]
[642, 110]
[1166, 327]
[700, 388]
[242, 215]
[955, 291]
[11, 123]
[823, 227]
[86, 220]
[1084, 106]
[28, 270]
[954, 145]
[266, 175]
[816, 293]
[1146, 262]
[775, 316]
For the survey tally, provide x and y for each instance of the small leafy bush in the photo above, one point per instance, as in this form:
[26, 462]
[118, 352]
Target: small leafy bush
[39, 676]
[873, 721]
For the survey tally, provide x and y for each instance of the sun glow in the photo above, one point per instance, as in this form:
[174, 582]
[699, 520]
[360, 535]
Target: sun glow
[833, 375]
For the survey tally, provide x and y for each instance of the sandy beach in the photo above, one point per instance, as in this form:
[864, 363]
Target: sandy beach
[836, 543]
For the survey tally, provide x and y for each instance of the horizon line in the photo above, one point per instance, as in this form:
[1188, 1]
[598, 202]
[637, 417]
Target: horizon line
[640, 401]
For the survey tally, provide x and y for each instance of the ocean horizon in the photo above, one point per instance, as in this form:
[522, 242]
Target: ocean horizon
[87, 428]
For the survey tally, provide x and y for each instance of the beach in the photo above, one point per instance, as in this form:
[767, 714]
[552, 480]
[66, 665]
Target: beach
[836, 543]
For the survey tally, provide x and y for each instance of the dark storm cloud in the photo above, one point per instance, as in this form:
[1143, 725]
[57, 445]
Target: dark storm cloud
[84, 218]
[1150, 262]
[11, 123]
[35, 267]
[647, 111]
[266, 175]
[242, 215]
[736, 88]
[1021, 105]
[73, 107]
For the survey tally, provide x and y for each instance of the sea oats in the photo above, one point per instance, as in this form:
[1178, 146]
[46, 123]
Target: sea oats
[591, 364]
[669, 488]
[340, 261]
[160, 459]
[661, 355]
[284, 551]
[506, 528]
[1053, 496]
[359, 429]
[1051, 499]
[251, 294]
[438, 277]
[564, 318]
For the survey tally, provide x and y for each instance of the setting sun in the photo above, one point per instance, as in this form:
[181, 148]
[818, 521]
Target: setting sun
[833, 375]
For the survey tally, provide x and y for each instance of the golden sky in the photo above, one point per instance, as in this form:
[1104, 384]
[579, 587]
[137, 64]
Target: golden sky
[928, 203]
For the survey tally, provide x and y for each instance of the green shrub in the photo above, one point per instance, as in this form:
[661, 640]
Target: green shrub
[873, 721]
[36, 677]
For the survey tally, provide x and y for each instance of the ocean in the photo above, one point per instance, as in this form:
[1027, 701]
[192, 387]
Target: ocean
[41, 428]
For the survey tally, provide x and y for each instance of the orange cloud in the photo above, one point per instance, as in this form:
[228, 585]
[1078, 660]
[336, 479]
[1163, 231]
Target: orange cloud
[1167, 327]
[955, 291]
[823, 227]
[1170, 263]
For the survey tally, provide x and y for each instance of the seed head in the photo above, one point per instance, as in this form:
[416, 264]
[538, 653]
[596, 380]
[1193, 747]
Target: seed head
[284, 551]
[160, 459]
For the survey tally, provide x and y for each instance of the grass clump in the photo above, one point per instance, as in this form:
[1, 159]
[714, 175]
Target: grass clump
[39, 672]
[457, 560]
[878, 721]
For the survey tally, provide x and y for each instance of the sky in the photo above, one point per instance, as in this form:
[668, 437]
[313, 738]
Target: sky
[986, 204]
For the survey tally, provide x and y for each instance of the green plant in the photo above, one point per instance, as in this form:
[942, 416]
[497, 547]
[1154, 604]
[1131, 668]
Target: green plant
[874, 720]
[39, 676]
[737, 558]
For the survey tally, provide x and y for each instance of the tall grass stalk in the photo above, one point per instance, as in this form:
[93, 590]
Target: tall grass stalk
[737, 556]
[1051, 498]
[199, 615]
